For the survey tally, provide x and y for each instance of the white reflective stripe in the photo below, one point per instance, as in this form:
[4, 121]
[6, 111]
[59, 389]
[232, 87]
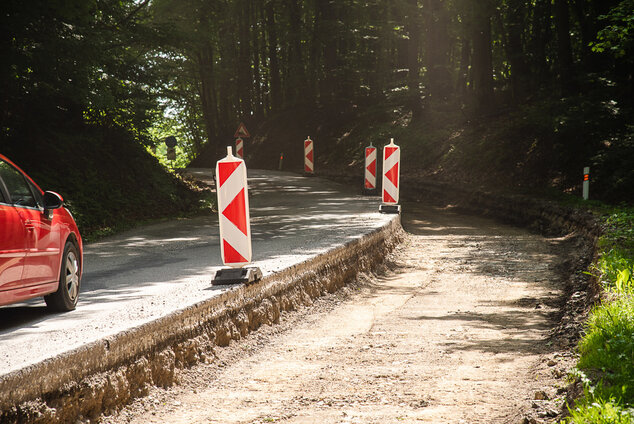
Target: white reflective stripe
[236, 238]
[368, 161]
[232, 186]
[239, 146]
[227, 193]
[307, 149]
[389, 163]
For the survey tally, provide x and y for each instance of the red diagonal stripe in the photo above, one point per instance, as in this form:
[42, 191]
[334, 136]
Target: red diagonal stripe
[225, 169]
[368, 152]
[392, 174]
[368, 184]
[389, 151]
[372, 168]
[387, 198]
[236, 212]
[310, 155]
[231, 255]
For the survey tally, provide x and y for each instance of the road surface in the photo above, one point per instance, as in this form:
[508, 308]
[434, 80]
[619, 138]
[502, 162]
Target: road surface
[151, 271]
[455, 331]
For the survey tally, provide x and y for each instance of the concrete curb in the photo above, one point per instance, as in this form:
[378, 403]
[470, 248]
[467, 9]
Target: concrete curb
[104, 375]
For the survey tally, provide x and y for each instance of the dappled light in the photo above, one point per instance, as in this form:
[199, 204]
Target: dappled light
[146, 273]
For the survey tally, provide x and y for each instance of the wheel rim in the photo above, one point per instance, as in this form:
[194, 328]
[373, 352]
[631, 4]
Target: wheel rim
[72, 276]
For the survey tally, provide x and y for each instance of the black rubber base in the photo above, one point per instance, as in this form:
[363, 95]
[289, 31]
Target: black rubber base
[236, 276]
[390, 208]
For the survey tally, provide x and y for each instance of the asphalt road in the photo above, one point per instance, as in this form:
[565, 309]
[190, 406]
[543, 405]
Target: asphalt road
[148, 272]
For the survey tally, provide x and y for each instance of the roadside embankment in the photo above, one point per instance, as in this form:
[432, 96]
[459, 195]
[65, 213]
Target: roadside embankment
[101, 376]
[545, 217]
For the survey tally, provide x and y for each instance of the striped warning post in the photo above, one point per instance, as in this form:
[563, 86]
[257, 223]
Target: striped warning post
[233, 211]
[586, 183]
[309, 166]
[240, 148]
[391, 163]
[370, 167]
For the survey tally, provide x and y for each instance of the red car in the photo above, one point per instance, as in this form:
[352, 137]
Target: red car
[41, 252]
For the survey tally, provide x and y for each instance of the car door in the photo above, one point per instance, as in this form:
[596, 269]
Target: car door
[43, 242]
[12, 241]
[42, 247]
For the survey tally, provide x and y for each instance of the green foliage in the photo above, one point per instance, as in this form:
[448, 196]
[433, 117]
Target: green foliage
[109, 181]
[607, 349]
[617, 37]
[615, 162]
[615, 267]
[606, 363]
[600, 411]
[75, 61]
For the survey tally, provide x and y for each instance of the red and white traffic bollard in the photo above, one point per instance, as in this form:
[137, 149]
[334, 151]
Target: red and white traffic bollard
[391, 176]
[309, 163]
[586, 183]
[234, 221]
[369, 185]
[240, 148]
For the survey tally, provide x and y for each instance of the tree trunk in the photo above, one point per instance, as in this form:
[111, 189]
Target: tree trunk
[564, 48]
[436, 22]
[541, 33]
[313, 71]
[245, 77]
[328, 35]
[206, 88]
[296, 77]
[271, 29]
[462, 85]
[257, 75]
[482, 60]
[378, 72]
[413, 29]
[516, 10]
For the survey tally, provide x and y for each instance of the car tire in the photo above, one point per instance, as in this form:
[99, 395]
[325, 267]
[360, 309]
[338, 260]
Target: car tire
[67, 294]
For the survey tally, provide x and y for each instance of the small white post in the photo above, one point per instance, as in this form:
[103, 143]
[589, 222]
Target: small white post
[586, 182]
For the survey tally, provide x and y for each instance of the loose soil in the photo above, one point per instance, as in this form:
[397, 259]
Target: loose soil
[457, 329]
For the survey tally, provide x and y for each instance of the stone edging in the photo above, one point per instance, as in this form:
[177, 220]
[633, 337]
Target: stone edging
[104, 375]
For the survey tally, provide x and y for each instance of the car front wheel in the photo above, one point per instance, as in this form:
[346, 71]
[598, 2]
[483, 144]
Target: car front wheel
[67, 294]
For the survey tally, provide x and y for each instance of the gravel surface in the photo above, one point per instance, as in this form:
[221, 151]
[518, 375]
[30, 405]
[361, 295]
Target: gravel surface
[455, 330]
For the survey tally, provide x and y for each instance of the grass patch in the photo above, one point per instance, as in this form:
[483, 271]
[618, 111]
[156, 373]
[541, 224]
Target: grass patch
[601, 412]
[606, 362]
[607, 349]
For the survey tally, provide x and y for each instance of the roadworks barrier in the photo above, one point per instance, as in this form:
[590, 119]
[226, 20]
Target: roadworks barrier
[103, 376]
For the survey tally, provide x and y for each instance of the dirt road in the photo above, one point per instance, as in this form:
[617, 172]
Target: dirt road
[455, 331]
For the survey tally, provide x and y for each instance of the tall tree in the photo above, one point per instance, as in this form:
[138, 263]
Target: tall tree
[564, 47]
[413, 28]
[540, 34]
[437, 40]
[482, 60]
[515, 17]
[274, 67]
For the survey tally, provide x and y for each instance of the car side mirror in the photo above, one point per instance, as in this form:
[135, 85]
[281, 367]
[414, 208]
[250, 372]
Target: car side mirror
[52, 201]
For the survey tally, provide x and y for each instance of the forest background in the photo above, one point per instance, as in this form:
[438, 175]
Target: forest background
[515, 94]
